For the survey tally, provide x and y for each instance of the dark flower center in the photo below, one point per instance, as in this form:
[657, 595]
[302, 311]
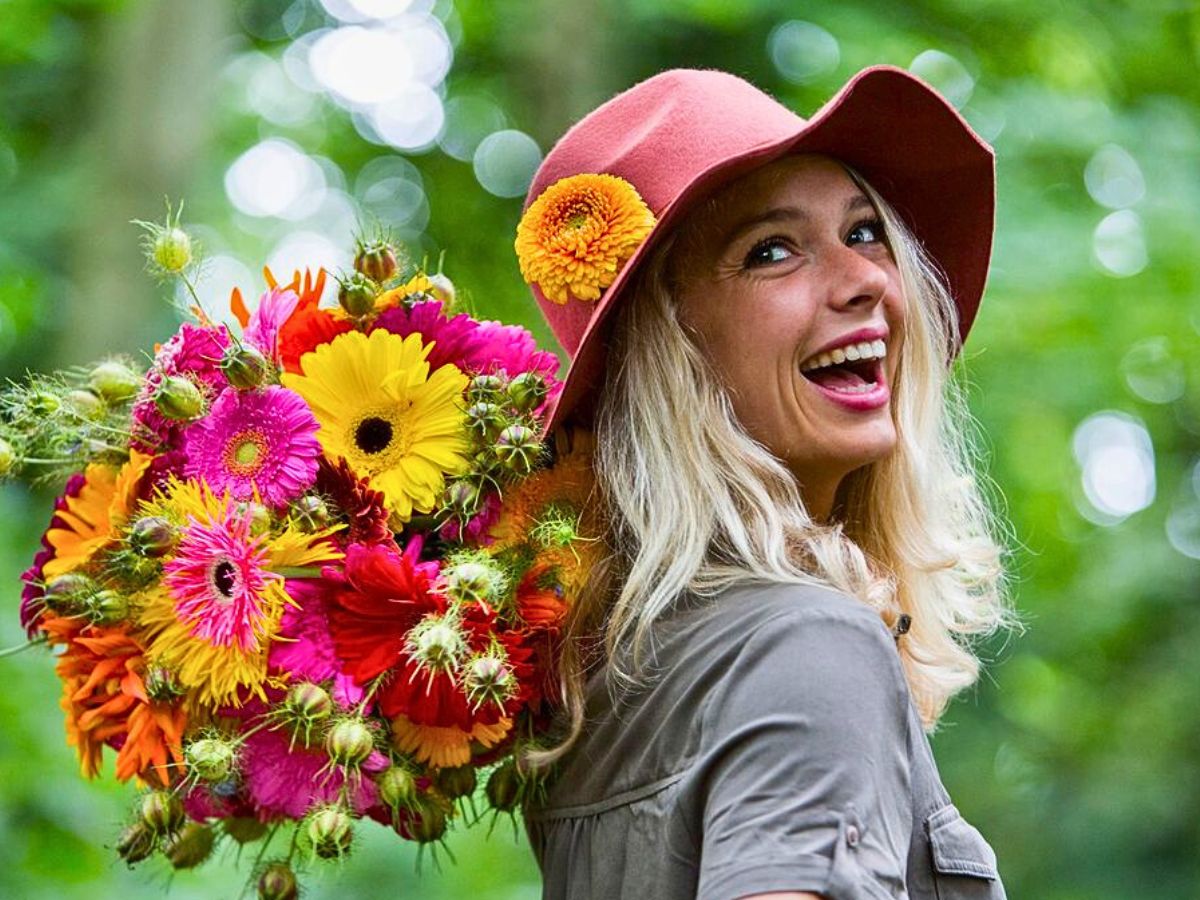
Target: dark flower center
[373, 434]
[225, 578]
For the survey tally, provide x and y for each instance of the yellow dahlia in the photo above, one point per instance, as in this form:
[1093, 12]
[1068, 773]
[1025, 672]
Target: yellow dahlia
[212, 617]
[577, 234]
[379, 407]
[93, 517]
[445, 746]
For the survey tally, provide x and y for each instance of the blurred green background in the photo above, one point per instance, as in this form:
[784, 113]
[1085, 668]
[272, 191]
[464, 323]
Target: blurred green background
[285, 122]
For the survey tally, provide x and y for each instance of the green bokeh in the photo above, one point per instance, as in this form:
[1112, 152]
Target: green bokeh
[1076, 752]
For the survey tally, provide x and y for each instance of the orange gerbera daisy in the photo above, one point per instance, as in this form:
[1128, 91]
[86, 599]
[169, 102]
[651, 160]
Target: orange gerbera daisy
[105, 699]
[577, 234]
[445, 747]
[92, 518]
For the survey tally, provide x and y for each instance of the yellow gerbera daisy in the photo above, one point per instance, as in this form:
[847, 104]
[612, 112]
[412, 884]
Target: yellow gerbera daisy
[445, 746]
[380, 408]
[212, 617]
[577, 234]
[95, 514]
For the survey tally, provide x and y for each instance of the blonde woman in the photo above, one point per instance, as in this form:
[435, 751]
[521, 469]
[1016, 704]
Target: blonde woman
[761, 312]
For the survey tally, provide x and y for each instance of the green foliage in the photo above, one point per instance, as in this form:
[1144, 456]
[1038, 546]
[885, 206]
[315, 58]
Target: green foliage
[1074, 753]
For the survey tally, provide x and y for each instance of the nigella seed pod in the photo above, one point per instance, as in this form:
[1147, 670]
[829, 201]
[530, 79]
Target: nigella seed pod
[436, 643]
[458, 781]
[357, 295]
[278, 882]
[245, 829]
[8, 457]
[86, 405]
[259, 516]
[179, 399]
[162, 812]
[212, 759]
[349, 742]
[42, 404]
[114, 381]
[330, 831]
[153, 536]
[312, 512]
[462, 498]
[244, 367]
[503, 787]
[171, 250]
[397, 788]
[485, 419]
[526, 391]
[489, 680]
[475, 576]
[518, 449]
[106, 607]
[66, 594]
[136, 843]
[376, 260]
[162, 684]
[486, 389]
[430, 824]
[443, 289]
[309, 701]
[190, 847]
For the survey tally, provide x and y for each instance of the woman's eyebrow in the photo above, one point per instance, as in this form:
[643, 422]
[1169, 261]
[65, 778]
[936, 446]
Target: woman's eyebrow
[792, 214]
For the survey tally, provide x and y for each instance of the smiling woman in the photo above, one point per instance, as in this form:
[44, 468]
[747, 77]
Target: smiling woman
[799, 548]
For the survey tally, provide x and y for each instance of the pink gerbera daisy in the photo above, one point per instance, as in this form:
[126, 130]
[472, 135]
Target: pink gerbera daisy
[261, 440]
[194, 352]
[218, 580]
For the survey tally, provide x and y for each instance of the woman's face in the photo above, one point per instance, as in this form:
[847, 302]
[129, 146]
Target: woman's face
[789, 286]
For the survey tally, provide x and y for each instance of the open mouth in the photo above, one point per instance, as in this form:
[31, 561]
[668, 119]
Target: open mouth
[836, 371]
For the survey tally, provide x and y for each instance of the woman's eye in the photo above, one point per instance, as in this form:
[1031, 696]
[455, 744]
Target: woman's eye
[771, 250]
[870, 230]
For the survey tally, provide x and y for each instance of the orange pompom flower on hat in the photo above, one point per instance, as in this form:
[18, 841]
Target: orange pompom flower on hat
[577, 234]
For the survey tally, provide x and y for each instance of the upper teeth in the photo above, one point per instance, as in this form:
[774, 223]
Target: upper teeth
[852, 352]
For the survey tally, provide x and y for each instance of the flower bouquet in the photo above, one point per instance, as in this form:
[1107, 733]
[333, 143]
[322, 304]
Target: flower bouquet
[306, 571]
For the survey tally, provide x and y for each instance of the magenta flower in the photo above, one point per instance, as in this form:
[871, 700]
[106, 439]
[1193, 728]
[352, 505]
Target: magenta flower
[194, 352]
[264, 439]
[454, 340]
[262, 331]
[305, 649]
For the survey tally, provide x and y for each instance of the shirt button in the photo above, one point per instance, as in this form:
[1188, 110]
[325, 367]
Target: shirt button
[852, 835]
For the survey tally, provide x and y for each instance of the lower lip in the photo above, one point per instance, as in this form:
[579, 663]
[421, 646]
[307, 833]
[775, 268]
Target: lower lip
[864, 402]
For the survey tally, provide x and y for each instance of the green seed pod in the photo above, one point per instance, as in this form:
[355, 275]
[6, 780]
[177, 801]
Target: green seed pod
[526, 391]
[459, 781]
[153, 536]
[475, 578]
[443, 289]
[436, 642]
[171, 250]
[244, 829]
[504, 786]
[398, 788]
[376, 260]
[179, 399]
[259, 515]
[309, 701]
[311, 512]
[162, 812]
[8, 457]
[86, 405]
[486, 389]
[42, 404]
[136, 843]
[518, 449]
[349, 742]
[162, 683]
[106, 607]
[114, 381]
[67, 594]
[463, 498]
[489, 679]
[357, 295]
[485, 419]
[191, 846]
[244, 367]
[212, 759]
[430, 824]
[330, 831]
[278, 882]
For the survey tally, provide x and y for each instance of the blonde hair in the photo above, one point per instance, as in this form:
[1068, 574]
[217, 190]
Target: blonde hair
[694, 504]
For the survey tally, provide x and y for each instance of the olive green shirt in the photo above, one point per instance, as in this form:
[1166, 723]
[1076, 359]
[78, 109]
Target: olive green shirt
[777, 749]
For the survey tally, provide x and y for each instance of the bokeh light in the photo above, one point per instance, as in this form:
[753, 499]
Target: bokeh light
[469, 119]
[1119, 245]
[505, 162]
[275, 178]
[946, 74]
[1116, 455]
[802, 51]
[1152, 372]
[1114, 178]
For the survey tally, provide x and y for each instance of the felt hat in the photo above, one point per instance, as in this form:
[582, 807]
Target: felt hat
[680, 135]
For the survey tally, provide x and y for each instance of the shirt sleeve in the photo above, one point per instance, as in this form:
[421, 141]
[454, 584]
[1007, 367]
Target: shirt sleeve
[805, 767]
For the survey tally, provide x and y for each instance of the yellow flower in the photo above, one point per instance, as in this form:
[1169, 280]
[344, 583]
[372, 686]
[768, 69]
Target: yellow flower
[445, 746]
[418, 284]
[380, 408]
[93, 517]
[577, 234]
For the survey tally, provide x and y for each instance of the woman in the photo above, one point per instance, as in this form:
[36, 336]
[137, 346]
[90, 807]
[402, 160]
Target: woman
[760, 336]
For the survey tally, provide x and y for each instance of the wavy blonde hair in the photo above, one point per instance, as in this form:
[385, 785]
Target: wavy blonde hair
[694, 504]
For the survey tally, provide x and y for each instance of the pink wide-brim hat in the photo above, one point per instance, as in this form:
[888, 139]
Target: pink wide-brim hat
[682, 134]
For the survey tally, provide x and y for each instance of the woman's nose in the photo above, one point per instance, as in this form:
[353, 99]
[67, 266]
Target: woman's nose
[857, 279]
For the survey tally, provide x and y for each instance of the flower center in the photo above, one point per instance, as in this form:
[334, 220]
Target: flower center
[245, 451]
[373, 435]
[224, 579]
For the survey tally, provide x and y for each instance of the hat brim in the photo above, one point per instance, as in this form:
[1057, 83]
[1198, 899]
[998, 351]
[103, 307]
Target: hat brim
[911, 146]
